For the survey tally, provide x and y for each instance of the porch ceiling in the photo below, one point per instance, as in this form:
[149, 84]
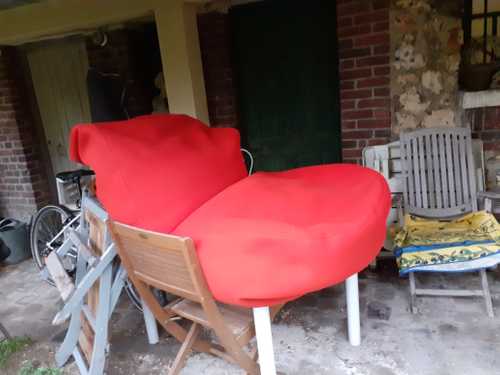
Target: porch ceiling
[6, 4]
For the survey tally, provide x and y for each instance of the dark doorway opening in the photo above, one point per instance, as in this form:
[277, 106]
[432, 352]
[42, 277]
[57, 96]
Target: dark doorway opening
[286, 62]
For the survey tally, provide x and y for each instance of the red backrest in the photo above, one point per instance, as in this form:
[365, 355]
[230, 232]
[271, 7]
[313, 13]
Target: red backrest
[153, 171]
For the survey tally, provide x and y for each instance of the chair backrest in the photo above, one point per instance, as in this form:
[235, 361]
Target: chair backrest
[163, 261]
[438, 172]
[154, 171]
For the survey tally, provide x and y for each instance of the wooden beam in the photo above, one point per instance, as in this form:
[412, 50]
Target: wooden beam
[177, 29]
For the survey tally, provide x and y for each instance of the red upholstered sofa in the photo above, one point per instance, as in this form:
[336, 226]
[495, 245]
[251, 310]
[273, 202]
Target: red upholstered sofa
[262, 239]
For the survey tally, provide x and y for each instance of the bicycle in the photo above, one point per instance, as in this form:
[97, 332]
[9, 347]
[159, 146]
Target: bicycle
[52, 224]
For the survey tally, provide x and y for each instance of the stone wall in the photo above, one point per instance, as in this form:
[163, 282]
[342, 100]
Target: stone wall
[426, 38]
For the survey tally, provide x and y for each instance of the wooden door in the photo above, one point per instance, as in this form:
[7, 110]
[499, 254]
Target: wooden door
[58, 70]
[285, 55]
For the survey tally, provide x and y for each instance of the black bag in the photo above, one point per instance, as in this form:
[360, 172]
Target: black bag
[14, 236]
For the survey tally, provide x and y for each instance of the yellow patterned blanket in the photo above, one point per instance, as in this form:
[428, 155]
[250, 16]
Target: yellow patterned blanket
[471, 242]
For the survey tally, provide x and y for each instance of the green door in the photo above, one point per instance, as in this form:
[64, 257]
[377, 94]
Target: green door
[285, 56]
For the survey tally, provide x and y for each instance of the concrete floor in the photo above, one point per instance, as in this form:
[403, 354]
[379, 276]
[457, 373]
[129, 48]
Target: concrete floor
[447, 336]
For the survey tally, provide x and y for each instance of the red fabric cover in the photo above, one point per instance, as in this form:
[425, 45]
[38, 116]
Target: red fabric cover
[261, 240]
[273, 237]
[153, 171]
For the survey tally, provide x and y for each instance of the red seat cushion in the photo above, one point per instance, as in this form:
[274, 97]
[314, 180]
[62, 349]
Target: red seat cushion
[153, 171]
[262, 239]
[273, 237]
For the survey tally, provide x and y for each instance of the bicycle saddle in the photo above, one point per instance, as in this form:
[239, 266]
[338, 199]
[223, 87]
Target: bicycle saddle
[73, 175]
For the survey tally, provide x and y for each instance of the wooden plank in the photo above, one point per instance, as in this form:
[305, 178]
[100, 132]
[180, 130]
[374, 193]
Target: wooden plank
[416, 173]
[59, 275]
[457, 170]
[443, 174]
[423, 175]
[437, 170]
[408, 187]
[465, 170]
[449, 170]
[449, 293]
[430, 171]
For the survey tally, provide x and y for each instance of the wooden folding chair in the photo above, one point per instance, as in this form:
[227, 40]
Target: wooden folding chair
[4, 331]
[170, 263]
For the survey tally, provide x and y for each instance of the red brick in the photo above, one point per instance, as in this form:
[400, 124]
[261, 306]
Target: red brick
[380, 26]
[347, 104]
[374, 103]
[355, 73]
[373, 124]
[346, 64]
[379, 4]
[382, 49]
[381, 114]
[382, 92]
[352, 8]
[372, 60]
[356, 134]
[345, 44]
[377, 141]
[386, 133]
[356, 94]
[371, 17]
[354, 52]
[382, 71]
[348, 125]
[344, 22]
[349, 144]
[347, 85]
[352, 153]
[355, 115]
[372, 82]
[372, 39]
[354, 31]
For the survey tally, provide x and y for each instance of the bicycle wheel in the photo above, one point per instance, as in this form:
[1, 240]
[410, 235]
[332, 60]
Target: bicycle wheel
[47, 224]
[134, 297]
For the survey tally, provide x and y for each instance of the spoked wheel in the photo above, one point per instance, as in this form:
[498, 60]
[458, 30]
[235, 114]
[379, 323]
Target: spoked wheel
[47, 235]
[134, 297]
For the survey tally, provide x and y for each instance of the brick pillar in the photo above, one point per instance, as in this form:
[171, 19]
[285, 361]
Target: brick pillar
[23, 184]
[364, 48]
[215, 40]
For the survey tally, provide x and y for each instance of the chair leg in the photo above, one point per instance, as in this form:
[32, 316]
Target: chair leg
[486, 293]
[262, 319]
[185, 349]
[413, 294]
[4, 331]
[151, 327]
[353, 320]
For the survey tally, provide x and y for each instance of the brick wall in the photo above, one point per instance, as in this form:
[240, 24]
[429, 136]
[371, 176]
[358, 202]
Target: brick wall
[485, 124]
[23, 183]
[364, 47]
[215, 39]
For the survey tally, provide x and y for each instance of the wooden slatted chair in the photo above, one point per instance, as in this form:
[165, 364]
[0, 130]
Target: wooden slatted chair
[4, 331]
[439, 180]
[170, 263]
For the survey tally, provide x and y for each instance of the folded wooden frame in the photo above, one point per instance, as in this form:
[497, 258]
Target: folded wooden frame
[170, 263]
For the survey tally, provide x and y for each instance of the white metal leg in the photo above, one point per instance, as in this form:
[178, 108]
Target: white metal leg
[262, 319]
[151, 326]
[353, 321]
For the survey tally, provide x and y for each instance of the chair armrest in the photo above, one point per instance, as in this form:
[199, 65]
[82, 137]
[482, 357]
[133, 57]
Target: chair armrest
[489, 198]
[398, 199]
[489, 194]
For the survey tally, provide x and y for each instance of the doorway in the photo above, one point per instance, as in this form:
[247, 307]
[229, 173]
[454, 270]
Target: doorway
[286, 62]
